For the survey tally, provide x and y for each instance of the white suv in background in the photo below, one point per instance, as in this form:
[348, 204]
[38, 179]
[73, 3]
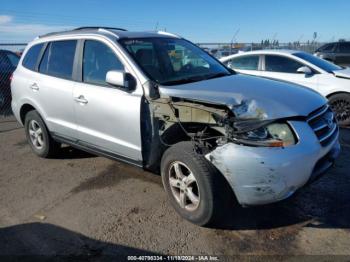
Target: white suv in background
[331, 80]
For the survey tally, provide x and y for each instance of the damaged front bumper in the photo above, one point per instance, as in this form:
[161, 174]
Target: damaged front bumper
[262, 175]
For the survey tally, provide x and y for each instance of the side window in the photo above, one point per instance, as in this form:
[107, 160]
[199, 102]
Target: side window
[250, 62]
[98, 59]
[327, 48]
[31, 58]
[13, 59]
[274, 63]
[344, 48]
[58, 59]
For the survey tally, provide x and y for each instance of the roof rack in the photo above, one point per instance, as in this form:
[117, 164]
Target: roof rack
[83, 28]
[100, 27]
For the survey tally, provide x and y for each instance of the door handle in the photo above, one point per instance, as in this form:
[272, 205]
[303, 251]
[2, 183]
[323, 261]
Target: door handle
[81, 99]
[34, 87]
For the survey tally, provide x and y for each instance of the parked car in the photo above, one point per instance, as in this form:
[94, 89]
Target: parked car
[224, 52]
[208, 131]
[249, 48]
[338, 53]
[298, 67]
[8, 64]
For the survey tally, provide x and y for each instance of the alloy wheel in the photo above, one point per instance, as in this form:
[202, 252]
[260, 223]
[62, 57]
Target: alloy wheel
[341, 108]
[36, 135]
[184, 186]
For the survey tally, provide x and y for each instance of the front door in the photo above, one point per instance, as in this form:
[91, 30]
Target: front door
[284, 68]
[108, 118]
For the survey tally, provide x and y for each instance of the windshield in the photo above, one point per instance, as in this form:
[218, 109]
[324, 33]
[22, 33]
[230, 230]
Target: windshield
[170, 61]
[321, 63]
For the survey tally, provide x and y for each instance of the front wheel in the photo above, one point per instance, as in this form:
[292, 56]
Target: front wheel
[340, 104]
[197, 191]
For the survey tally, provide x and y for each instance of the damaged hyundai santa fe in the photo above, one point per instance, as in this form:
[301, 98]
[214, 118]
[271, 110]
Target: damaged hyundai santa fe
[157, 101]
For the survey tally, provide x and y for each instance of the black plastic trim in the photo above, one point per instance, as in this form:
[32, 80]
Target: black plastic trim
[93, 149]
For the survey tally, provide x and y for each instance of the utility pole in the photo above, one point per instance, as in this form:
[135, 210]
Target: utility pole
[234, 39]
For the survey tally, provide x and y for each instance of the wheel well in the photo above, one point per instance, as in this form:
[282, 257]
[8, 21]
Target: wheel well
[24, 110]
[336, 93]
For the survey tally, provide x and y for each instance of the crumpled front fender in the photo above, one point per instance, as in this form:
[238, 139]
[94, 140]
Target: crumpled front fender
[261, 175]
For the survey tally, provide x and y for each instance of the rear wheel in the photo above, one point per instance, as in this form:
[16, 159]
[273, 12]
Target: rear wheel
[340, 104]
[197, 191]
[38, 136]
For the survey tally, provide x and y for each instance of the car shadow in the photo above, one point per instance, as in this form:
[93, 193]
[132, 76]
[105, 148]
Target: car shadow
[68, 152]
[42, 239]
[322, 204]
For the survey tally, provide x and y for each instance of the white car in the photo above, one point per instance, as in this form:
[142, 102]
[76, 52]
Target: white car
[330, 80]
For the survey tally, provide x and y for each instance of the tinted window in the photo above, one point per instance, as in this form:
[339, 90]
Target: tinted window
[326, 48]
[31, 57]
[244, 62]
[321, 63]
[344, 47]
[58, 59]
[274, 63]
[13, 59]
[98, 59]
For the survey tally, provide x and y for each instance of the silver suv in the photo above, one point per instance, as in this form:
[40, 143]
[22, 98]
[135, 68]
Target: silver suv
[157, 101]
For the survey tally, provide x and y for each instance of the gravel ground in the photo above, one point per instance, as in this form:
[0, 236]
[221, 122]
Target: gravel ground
[80, 204]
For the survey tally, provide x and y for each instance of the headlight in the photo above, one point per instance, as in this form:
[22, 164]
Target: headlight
[272, 135]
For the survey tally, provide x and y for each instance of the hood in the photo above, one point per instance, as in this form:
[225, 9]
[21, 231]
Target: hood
[343, 73]
[251, 97]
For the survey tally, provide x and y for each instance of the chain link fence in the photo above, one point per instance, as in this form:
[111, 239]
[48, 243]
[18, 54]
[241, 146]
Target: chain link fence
[224, 49]
[9, 57]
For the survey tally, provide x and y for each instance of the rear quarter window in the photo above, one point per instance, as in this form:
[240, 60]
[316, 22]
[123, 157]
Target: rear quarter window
[31, 57]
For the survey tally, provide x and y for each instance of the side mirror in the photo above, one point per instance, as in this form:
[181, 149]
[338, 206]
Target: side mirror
[304, 70]
[121, 79]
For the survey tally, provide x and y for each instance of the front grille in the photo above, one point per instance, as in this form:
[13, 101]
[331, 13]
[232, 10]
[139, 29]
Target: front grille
[323, 122]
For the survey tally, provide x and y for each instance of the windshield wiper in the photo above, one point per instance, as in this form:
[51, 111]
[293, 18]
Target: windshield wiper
[194, 79]
[184, 80]
[217, 75]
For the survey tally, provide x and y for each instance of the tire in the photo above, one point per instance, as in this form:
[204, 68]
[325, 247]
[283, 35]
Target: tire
[210, 187]
[340, 104]
[40, 140]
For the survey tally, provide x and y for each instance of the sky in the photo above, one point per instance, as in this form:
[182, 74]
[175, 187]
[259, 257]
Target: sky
[198, 21]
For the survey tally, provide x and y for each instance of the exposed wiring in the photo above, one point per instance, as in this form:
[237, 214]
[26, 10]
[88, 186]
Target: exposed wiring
[178, 121]
[193, 137]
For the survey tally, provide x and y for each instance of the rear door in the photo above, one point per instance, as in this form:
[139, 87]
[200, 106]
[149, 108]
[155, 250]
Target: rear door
[247, 64]
[284, 68]
[108, 118]
[52, 88]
